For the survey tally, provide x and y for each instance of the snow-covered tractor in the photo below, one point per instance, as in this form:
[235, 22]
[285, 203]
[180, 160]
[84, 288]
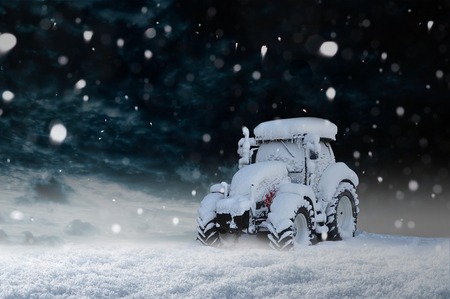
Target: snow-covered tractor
[288, 186]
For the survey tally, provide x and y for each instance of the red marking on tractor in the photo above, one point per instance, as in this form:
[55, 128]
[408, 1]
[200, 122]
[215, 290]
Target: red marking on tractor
[269, 199]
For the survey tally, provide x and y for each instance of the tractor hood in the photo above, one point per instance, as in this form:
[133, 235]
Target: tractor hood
[263, 176]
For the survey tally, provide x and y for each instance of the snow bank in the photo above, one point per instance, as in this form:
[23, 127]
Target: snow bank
[292, 127]
[368, 266]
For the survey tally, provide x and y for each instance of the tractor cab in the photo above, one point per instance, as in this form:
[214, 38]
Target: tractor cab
[302, 144]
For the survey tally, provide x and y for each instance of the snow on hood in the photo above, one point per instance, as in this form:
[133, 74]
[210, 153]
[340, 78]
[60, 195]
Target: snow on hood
[262, 175]
[291, 127]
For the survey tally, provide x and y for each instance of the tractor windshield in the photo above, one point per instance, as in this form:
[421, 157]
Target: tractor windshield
[287, 152]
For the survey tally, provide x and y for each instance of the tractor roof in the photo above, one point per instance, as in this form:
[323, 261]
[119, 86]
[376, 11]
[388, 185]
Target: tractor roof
[284, 129]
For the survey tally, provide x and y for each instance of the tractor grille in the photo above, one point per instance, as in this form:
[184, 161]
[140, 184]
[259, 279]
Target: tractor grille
[228, 224]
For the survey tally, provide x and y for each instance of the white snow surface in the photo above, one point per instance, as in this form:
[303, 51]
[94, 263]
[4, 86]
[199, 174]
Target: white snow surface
[294, 127]
[155, 257]
[368, 266]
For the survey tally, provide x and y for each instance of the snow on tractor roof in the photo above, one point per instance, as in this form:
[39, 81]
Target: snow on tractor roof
[280, 129]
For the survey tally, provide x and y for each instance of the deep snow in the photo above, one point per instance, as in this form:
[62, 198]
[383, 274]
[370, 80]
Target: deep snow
[369, 266]
[107, 241]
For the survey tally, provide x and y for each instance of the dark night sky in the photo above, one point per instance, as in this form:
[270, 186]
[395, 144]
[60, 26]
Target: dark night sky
[147, 118]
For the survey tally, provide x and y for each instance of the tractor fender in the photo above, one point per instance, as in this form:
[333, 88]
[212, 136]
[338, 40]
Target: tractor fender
[300, 191]
[207, 210]
[333, 175]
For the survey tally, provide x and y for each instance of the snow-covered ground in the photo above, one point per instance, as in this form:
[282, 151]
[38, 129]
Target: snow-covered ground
[107, 241]
[369, 266]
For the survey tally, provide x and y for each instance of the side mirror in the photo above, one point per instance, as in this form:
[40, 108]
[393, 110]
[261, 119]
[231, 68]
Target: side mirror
[313, 155]
[312, 146]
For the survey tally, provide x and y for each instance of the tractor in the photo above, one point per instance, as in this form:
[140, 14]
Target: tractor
[288, 187]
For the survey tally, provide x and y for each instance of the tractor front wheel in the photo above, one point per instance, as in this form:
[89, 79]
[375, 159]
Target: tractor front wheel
[286, 233]
[207, 233]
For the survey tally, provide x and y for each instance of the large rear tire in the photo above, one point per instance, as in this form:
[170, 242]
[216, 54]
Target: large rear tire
[288, 233]
[342, 213]
[207, 233]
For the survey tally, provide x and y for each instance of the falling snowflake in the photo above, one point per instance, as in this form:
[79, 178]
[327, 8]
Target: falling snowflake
[80, 84]
[330, 93]
[16, 215]
[413, 185]
[116, 228]
[263, 51]
[58, 133]
[328, 49]
[7, 96]
[150, 33]
[7, 42]
[256, 75]
[87, 35]
[400, 111]
[148, 54]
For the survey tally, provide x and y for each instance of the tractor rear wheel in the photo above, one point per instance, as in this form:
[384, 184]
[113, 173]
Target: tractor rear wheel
[342, 213]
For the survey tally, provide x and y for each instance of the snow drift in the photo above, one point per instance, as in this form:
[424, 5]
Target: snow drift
[369, 266]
